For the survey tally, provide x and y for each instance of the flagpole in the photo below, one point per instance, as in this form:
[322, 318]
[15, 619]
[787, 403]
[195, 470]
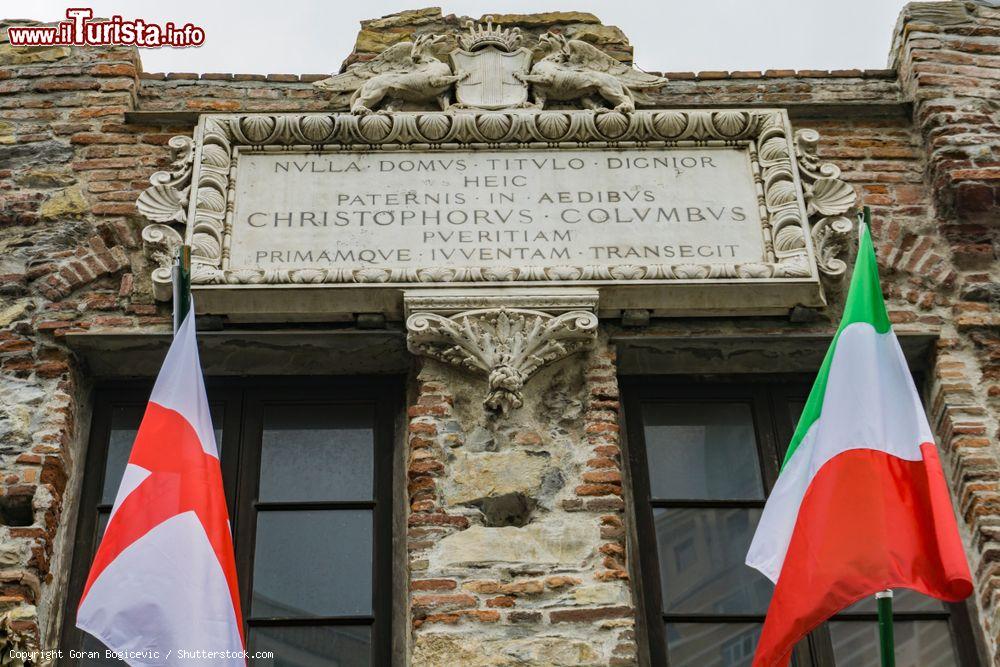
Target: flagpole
[883, 599]
[181, 275]
[887, 644]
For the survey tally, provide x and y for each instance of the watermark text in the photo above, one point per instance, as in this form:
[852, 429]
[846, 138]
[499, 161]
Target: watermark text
[80, 30]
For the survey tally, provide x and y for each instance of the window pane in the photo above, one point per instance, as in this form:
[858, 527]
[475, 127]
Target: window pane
[124, 427]
[711, 644]
[343, 646]
[701, 451]
[313, 563]
[702, 554]
[795, 409]
[102, 524]
[317, 452]
[903, 600]
[918, 644]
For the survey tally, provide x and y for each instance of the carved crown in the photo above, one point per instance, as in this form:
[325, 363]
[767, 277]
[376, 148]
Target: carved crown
[479, 37]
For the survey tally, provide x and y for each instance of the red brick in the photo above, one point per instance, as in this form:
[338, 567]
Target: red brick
[423, 428]
[598, 490]
[603, 477]
[433, 584]
[501, 601]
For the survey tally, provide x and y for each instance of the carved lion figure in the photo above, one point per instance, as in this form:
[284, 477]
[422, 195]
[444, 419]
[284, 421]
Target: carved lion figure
[572, 69]
[405, 72]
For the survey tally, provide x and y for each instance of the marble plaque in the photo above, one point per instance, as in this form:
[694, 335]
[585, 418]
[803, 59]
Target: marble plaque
[495, 209]
[676, 211]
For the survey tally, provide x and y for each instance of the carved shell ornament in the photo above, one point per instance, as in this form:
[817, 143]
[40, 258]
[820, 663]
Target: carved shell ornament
[166, 201]
[829, 203]
[508, 345]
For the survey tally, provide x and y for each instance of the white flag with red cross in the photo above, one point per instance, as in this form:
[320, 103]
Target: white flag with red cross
[163, 583]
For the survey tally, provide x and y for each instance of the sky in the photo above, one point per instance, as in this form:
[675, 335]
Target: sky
[314, 36]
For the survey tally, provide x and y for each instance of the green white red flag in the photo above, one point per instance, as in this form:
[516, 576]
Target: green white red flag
[861, 503]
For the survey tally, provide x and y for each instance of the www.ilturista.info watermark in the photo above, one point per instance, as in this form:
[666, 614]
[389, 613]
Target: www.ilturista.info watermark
[79, 30]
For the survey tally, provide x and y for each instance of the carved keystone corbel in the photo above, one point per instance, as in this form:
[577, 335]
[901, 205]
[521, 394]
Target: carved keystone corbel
[506, 343]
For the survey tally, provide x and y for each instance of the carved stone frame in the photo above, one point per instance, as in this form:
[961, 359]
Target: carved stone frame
[802, 202]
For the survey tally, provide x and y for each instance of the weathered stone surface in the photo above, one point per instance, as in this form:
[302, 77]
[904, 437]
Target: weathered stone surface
[440, 650]
[567, 542]
[376, 41]
[598, 34]
[45, 178]
[378, 34]
[544, 19]
[41, 152]
[13, 312]
[29, 55]
[68, 203]
[479, 475]
[554, 652]
[601, 594]
[453, 650]
[405, 17]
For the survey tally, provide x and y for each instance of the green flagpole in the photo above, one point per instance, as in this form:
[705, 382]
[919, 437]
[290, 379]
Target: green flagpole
[883, 599]
[181, 284]
[887, 645]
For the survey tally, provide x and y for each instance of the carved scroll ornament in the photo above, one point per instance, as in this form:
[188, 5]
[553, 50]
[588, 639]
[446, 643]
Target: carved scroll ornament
[829, 201]
[165, 203]
[508, 345]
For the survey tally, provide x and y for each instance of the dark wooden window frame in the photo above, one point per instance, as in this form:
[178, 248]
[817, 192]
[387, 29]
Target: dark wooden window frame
[242, 400]
[768, 396]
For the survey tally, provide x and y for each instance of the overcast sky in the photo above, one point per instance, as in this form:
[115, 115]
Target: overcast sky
[314, 36]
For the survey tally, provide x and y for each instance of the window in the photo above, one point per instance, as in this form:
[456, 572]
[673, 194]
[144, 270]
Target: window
[307, 467]
[703, 457]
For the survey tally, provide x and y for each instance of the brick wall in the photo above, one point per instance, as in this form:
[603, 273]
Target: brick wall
[81, 130]
[948, 57]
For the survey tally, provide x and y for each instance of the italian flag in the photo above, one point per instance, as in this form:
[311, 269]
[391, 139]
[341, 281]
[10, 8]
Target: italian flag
[861, 503]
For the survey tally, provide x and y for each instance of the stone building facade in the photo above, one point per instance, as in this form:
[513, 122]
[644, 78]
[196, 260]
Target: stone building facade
[515, 540]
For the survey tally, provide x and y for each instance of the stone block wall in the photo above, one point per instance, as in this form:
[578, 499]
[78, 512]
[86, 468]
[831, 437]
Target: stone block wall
[917, 141]
[516, 529]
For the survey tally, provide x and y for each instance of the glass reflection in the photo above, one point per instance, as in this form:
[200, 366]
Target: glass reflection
[701, 451]
[332, 646]
[311, 563]
[338, 443]
[712, 644]
[903, 600]
[918, 643]
[124, 426]
[702, 568]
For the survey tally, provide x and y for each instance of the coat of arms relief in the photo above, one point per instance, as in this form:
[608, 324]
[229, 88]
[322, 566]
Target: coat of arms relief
[492, 70]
